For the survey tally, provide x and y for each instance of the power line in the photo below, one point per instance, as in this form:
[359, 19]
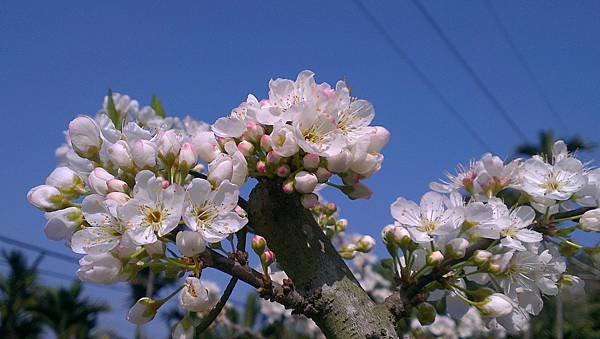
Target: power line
[534, 80]
[486, 91]
[39, 249]
[420, 74]
[67, 277]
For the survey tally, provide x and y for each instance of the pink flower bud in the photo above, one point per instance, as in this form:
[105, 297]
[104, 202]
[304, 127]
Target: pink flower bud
[97, 180]
[187, 156]
[288, 187]
[265, 143]
[254, 132]
[116, 185]
[309, 200]
[322, 174]
[330, 208]
[258, 244]
[273, 158]
[305, 182]
[268, 257]
[311, 161]
[246, 148]
[283, 171]
[118, 197]
[261, 167]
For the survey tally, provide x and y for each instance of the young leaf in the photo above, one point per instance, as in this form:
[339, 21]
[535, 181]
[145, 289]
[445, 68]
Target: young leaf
[113, 114]
[158, 107]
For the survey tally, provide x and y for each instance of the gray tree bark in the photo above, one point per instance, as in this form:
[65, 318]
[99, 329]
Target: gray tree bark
[342, 308]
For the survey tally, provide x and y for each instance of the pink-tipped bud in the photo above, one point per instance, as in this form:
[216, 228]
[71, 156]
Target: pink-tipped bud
[288, 187]
[116, 185]
[253, 132]
[273, 158]
[330, 208]
[261, 167]
[283, 171]
[118, 197]
[246, 148]
[268, 257]
[309, 200]
[311, 161]
[259, 244]
[265, 143]
[164, 183]
[322, 174]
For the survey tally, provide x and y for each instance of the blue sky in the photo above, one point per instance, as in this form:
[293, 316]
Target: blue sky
[203, 58]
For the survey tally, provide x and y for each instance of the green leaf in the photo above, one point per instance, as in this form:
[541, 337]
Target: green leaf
[113, 114]
[158, 107]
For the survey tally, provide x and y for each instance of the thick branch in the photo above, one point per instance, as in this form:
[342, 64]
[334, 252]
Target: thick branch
[343, 308]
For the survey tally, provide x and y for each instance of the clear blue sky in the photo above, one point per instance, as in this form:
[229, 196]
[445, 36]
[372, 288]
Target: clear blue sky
[202, 58]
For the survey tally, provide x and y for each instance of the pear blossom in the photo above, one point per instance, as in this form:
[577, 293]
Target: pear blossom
[231, 166]
[558, 181]
[428, 219]
[316, 133]
[105, 230]
[353, 116]
[99, 268]
[283, 140]
[496, 305]
[120, 155]
[194, 296]
[153, 211]
[62, 223]
[212, 213]
[287, 99]
[237, 122]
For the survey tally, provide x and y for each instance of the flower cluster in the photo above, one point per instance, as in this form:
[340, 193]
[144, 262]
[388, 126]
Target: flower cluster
[497, 229]
[123, 192]
[304, 133]
[132, 185]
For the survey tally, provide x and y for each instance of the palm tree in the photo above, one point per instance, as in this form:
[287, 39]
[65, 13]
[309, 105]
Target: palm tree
[546, 141]
[67, 313]
[17, 290]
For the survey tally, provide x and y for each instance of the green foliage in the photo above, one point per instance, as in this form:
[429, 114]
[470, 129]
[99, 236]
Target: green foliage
[114, 115]
[158, 107]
